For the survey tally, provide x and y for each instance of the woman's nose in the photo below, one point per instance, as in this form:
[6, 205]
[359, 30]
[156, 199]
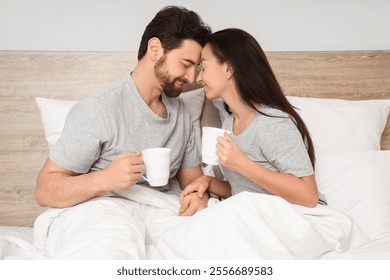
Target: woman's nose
[199, 78]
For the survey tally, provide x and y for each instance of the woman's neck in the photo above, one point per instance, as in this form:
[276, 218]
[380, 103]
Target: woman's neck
[243, 114]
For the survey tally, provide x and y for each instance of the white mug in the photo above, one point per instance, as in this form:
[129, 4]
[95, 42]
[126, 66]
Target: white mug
[157, 166]
[209, 142]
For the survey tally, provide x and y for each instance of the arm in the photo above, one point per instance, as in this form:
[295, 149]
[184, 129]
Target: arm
[186, 175]
[58, 187]
[296, 190]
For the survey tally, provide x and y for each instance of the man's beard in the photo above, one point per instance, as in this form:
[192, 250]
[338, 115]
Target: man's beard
[170, 88]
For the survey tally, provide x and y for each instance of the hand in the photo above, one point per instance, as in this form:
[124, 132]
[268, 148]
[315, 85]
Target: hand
[192, 204]
[124, 171]
[200, 186]
[230, 155]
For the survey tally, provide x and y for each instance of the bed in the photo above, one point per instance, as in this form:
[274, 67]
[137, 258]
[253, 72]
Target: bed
[344, 98]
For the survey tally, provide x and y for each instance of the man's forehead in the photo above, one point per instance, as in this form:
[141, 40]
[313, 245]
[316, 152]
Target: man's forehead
[189, 51]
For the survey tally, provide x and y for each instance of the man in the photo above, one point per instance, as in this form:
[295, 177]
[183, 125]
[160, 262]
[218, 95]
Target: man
[99, 149]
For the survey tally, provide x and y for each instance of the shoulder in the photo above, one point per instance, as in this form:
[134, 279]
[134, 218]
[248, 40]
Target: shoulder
[104, 100]
[272, 112]
[275, 122]
[269, 117]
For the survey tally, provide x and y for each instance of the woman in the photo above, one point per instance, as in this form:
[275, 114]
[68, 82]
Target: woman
[269, 149]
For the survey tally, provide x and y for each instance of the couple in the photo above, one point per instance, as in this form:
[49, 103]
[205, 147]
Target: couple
[269, 150]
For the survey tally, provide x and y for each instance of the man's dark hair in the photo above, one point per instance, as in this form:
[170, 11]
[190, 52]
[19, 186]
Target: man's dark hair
[171, 26]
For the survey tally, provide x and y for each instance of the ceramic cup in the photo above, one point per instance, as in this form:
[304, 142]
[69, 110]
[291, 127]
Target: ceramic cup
[209, 142]
[157, 166]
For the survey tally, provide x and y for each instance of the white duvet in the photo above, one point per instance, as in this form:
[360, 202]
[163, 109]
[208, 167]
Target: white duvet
[143, 224]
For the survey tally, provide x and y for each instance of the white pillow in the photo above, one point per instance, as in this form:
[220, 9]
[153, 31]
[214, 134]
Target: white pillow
[193, 101]
[53, 115]
[358, 184]
[343, 125]
[54, 112]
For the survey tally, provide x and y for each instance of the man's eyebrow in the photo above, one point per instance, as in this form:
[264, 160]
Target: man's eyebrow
[189, 60]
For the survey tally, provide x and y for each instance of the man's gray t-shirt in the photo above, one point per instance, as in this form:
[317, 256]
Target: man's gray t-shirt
[273, 142]
[117, 121]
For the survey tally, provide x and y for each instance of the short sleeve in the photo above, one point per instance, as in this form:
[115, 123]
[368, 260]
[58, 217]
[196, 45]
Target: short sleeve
[284, 148]
[81, 140]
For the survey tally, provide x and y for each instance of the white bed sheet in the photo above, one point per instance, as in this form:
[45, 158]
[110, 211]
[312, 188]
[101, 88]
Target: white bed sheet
[17, 243]
[373, 250]
[25, 233]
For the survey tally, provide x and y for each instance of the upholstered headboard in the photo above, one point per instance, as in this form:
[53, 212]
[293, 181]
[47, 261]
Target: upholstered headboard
[352, 75]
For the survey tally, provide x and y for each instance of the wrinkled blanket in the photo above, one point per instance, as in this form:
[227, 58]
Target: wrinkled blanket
[142, 223]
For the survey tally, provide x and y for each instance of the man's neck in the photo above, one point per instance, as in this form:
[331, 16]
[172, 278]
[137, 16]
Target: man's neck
[147, 85]
[149, 90]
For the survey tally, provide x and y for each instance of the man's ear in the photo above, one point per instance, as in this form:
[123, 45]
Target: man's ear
[155, 49]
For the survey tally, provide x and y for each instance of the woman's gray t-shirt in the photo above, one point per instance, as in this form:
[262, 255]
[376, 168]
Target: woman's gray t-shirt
[273, 142]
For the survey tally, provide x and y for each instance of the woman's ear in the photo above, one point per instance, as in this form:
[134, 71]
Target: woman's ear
[155, 49]
[228, 71]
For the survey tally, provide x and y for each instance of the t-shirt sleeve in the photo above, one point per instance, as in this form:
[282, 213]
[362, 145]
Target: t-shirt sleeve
[285, 149]
[81, 139]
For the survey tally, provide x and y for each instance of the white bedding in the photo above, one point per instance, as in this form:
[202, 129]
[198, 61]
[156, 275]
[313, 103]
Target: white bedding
[246, 226]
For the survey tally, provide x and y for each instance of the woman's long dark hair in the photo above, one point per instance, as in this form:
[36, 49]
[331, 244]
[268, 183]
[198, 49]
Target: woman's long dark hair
[255, 80]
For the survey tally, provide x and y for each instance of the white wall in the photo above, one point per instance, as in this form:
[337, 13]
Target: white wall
[118, 24]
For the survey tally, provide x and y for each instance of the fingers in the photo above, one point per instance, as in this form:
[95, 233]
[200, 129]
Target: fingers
[192, 204]
[221, 140]
[132, 158]
[191, 189]
[222, 145]
[200, 193]
[226, 148]
[184, 206]
[137, 168]
[189, 209]
[124, 171]
[225, 140]
[183, 194]
[129, 164]
[129, 155]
